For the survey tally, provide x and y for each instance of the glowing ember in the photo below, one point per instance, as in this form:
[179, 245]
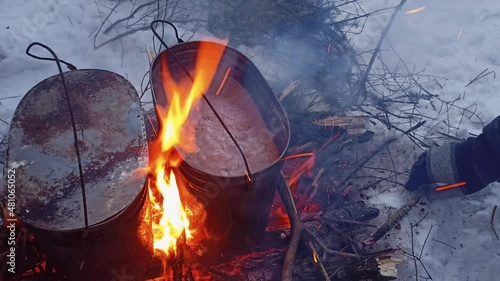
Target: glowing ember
[164, 194]
[415, 10]
[278, 218]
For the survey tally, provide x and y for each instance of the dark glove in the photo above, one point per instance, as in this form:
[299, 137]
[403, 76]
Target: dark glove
[421, 176]
[436, 166]
[474, 161]
[418, 174]
[448, 164]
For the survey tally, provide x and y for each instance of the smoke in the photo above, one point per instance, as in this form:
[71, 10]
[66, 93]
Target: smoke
[290, 41]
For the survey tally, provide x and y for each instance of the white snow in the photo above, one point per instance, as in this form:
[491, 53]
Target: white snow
[456, 39]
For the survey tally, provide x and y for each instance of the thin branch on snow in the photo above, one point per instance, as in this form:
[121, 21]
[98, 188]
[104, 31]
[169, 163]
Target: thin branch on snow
[492, 221]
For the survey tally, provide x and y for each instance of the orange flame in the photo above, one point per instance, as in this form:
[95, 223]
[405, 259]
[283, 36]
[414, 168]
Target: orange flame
[182, 96]
[278, 217]
[304, 169]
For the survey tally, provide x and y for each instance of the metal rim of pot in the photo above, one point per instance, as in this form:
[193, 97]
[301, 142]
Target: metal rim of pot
[235, 54]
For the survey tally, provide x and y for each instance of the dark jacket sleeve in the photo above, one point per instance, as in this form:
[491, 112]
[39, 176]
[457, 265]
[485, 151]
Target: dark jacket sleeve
[478, 159]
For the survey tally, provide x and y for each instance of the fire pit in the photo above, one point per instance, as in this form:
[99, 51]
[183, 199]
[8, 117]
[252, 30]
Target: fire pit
[237, 134]
[79, 150]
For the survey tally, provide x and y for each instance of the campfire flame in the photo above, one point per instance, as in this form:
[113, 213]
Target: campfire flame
[164, 194]
[278, 217]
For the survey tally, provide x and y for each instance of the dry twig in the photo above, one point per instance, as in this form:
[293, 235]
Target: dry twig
[481, 75]
[298, 229]
[361, 90]
[365, 160]
[395, 218]
[492, 222]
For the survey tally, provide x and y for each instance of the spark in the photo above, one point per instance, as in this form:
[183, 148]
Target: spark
[315, 257]
[460, 33]
[307, 154]
[415, 10]
[152, 125]
[223, 81]
[337, 135]
[346, 190]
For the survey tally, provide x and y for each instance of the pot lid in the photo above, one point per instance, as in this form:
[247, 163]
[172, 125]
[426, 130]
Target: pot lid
[41, 148]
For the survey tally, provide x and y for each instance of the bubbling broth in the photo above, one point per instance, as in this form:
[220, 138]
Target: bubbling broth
[215, 152]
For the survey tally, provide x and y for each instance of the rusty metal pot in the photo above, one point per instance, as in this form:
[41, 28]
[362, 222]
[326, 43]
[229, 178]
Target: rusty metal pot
[236, 213]
[117, 237]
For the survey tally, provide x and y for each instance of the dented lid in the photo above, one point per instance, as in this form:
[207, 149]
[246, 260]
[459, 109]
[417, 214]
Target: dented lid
[41, 149]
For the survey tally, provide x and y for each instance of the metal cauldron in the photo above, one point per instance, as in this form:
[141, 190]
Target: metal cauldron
[117, 239]
[236, 212]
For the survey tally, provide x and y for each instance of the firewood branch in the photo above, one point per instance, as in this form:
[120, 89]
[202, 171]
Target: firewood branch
[298, 229]
[361, 89]
[395, 218]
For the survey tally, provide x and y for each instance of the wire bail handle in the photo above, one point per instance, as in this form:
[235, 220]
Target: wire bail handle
[73, 123]
[179, 40]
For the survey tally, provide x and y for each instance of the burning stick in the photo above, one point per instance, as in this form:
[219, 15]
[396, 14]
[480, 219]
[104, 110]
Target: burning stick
[297, 230]
[317, 260]
[178, 267]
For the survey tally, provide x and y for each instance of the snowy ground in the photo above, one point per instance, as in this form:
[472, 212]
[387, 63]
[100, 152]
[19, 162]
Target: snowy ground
[456, 39]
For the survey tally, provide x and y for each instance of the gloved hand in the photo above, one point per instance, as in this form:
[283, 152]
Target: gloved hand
[434, 167]
[448, 164]
[474, 161]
